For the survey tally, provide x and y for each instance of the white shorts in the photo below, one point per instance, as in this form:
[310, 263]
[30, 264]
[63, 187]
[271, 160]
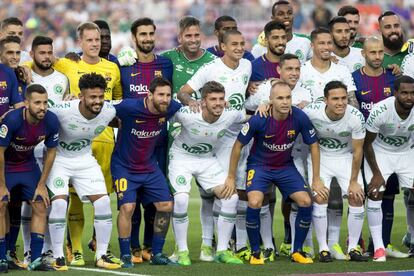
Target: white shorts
[206, 170]
[223, 154]
[335, 167]
[389, 163]
[84, 174]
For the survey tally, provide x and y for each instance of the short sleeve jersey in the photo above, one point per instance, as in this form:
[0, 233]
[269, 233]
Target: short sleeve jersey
[370, 90]
[263, 69]
[9, 93]
[274, 140]
[134, 149]
[199, 138]
[77, 132]
[316, 80]
[353, 61]
[394, 133]
[56, 84]
[20, 138]
[335, 137]
[136, 78]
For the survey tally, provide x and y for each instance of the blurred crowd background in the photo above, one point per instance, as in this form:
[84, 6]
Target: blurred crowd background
[59, 18]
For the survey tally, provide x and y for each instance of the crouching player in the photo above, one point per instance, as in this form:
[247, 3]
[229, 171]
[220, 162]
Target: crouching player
[270, 161]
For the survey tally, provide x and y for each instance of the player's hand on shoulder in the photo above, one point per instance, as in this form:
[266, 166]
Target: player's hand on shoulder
[302, 104]
[127, 56]
[70, 97]
[195, 106]
[334, 59]
[73, 56]
[263, 110]
[377, 181]
[252, 87]
[24, 74]
[396, 70]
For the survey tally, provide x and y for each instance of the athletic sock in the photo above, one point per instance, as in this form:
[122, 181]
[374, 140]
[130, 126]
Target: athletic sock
[266, 227]
[161, 224]
[180, 220]
[241, 233]
[15, 221]
[26, 220]
[320, 224]
[102, 224]
[57, 225]
[253, 227]
[36, 245]
[76, 222]
[302, 224]
[124, 244]
[292, 220]
[355, 223]
[226, 220]
[387, 207]
[334, 226]
[374, 215]
[207, 220]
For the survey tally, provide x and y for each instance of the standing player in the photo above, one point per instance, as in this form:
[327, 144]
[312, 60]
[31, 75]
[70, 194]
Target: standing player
[222, 25]
[265, 66]
[341, 132]
[199, 146]
[282, 12]
[388, 150]
[20, 179]
[142, 122]
[81, 121]
[13, 26]
[135, 80]
[318, 71]
[348, 56]
[352, 17]
[57, 86]
[270, 161]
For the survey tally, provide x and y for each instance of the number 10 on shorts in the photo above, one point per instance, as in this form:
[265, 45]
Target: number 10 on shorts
[121, 185]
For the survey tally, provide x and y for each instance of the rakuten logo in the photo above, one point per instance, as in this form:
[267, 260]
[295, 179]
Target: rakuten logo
[367, 106]
[145, 134]
[139, 88]
[274, 147]
[4, 100]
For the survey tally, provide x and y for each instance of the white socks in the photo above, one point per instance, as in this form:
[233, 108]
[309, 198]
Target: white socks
[266, 227]
[26, 220]
[334, 226]
[102, 224]
[355, 223]
[207, 220]
[241, 233]
[374, 215]
[57, 226]
[320, 223]
[226, 220]
[180, 220]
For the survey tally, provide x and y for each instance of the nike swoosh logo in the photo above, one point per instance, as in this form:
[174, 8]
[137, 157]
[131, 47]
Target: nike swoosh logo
[268, 136]
[135, 74]
[139, 122]
[365, 92]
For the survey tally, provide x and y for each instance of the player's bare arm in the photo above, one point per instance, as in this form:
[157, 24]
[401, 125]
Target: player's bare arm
[377, 179]
[41, 186]
[318, 187]
[352, 100]
[230, 183]
[3, 189]
[355, 191]
[184, 95]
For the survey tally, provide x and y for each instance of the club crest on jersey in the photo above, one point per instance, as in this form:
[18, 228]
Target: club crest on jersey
[158, 73]
[58, 89]
[108, 77]
[161, 120]
[291, 133]
[387, 91]
[3, 131]
[3, 85]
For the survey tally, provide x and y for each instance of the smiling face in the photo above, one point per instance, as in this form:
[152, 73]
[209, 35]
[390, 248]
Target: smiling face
[36, 104]
[90, 42]
[322, 46]
[144, 38]
[390, 27]
[92, 99]
[276, 42]
[233, 47]
[10, 55]
[214, 103]
[283, 14]
[336, 102]
[190, 39]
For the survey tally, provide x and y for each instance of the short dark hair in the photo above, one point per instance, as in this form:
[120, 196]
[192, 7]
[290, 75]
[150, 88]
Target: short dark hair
[287, 56]
[211, 87]
[314, 34]
[91, 81]
[158, 82]
[102, 24]
[386, 13]
[223, 38]
[402, 79]
[187, 21]
[336, 19]
[273, 25]
[41, 40]
[144, 21]
[281, 2]
[333, 85]
[348, 10]
[34, 88]
[9, 39]
[219, 21]
[10, 21]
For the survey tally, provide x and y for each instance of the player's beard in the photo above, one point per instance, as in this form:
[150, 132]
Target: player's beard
[340, 46]
[37, 115]
[161, 108]
[393, 44]
[145, 50]
[273, 50]
[353, 33]
[41, 66]
[92, 110]
[405, 106]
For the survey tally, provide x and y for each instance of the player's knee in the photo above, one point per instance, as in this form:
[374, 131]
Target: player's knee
[378, 197]
[304, 201]
[165, 206]
[39, 209]
[3, 208]
[255, 203]
[319, 200]
[181, 202]
[353, 201]
[126, 210]
[230, 203]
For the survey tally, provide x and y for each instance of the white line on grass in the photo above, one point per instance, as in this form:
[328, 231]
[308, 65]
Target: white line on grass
[106, 271]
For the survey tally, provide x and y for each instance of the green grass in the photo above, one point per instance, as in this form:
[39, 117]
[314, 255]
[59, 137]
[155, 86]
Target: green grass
[282, 265]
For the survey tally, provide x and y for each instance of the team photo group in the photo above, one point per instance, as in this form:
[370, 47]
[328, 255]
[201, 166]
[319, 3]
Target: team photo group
[326, 118]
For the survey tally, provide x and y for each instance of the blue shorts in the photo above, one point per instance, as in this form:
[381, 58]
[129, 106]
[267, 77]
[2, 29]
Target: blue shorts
[392, 186]
[151, 187]
[287, 179]
[22, 185]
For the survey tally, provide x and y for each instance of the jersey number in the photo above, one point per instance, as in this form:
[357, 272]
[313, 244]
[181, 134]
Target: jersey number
[250, 175]
[121, 185]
